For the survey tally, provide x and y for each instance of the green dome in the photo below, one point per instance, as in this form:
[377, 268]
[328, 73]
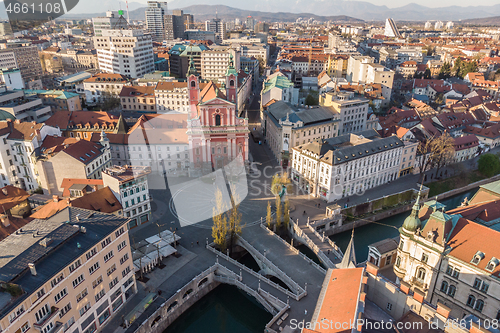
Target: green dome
[412, 222]
[4, 115]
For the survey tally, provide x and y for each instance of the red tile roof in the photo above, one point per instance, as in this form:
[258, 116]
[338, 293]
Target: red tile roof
[84, 151]
[341, 299]
[11, 196]
[68, 182]
[137, 91]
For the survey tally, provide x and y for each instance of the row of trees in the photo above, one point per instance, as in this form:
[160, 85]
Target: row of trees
[459, 69]
[435, 152]
[282, 217]
[227, 222]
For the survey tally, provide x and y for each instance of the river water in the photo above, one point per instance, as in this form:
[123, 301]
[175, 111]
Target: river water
[374, 232]
[227, 309]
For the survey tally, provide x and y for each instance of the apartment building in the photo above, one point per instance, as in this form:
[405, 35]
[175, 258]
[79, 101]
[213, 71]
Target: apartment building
[18, 142]
[57, 100]
[155, 24]
[157, 141]
[26, 56]
[60, 158]
[466, 147]
[24, 107]
[464, 277]
[127, 52]
[362, 69]
[286, 126]
[172, 96]
[278, 87]
[129, 184]
[73, 271]
[110, 21]
[352, 110]
[176, 24]
[83, 124]
[342, 166]
[214, 62]
[102, 86]
[180, 56]
[138, 98]
[217, 26]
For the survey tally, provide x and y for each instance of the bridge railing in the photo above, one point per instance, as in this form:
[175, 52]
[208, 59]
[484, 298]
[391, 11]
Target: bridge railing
[179, 292]
[277, 317]
[294, 250]
[323, 238]
[255, 274]
[247, 289]
[274, 298]
[324, 259]
[282, 275]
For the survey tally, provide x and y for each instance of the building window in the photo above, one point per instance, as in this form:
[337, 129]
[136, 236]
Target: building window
[425, 257]
[389, 306]
[471, 301]
[452, 290]
[421, 274]
[217, 120]
[444, 287]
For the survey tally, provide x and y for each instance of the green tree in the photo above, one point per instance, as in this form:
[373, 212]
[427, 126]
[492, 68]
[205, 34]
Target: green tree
[286, 213]
[445, 71]
[269, 215]
[220, 226]
[439, 99]
[457, 67]
[311, 100]
[234, 219]
[488, 165]
[427, 74]
[278, 212]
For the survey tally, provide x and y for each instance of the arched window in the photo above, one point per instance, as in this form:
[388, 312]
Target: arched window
[217, 120]
[421, 274]
[193, 84]
[231, 83]
[398, 261]
[471, 301]
[479, 305]
[444, 286]
[452, 290]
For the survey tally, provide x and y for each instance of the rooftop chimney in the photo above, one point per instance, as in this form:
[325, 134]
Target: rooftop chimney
[17, 121]
[32, 269]
[4, 191]
[55, 198]
[5, 220]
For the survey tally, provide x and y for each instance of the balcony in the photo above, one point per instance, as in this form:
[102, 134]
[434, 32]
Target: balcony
[419, 283]
[399, 271]
[54, 311]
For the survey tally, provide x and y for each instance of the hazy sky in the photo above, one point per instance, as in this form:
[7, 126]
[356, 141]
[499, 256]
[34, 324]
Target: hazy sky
[434, 3]
[243, 4]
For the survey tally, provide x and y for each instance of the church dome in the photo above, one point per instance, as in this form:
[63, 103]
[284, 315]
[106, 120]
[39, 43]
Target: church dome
[412, 223]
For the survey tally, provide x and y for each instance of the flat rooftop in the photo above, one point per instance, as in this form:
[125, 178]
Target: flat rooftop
[127, 172]
[50, 245]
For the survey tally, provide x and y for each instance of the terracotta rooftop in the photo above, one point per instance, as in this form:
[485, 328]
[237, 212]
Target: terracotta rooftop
[107, 78]
[137, 91]
[340, 301]
[67, 183]
[84, 151]
[11, 196]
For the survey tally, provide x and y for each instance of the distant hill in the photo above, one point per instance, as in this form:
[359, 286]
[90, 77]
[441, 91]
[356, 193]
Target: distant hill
[206, 12]
[494, 21]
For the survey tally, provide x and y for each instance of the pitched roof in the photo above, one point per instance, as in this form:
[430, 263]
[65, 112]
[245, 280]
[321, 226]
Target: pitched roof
[491, 132]
[20, 130]
[84, 151]
[11, 196]
[137, 91]
[338, 300]
[469, 237]
[210, 92]
[107, 77]
[102, 200]
[67, 120]
[67, 183]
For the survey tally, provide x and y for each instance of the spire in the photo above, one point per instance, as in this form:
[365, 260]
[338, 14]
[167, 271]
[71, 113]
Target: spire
[412, 222]
[192, 69]
[230, 68]
[349, 259]
[121, 127]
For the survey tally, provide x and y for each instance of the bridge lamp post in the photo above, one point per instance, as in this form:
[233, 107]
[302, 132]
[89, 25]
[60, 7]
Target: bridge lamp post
[265, 252]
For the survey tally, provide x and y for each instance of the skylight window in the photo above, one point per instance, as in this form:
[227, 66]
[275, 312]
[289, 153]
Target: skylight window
[82, 158]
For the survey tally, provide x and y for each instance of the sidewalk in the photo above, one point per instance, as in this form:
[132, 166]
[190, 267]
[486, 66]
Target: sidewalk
[156, 278]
